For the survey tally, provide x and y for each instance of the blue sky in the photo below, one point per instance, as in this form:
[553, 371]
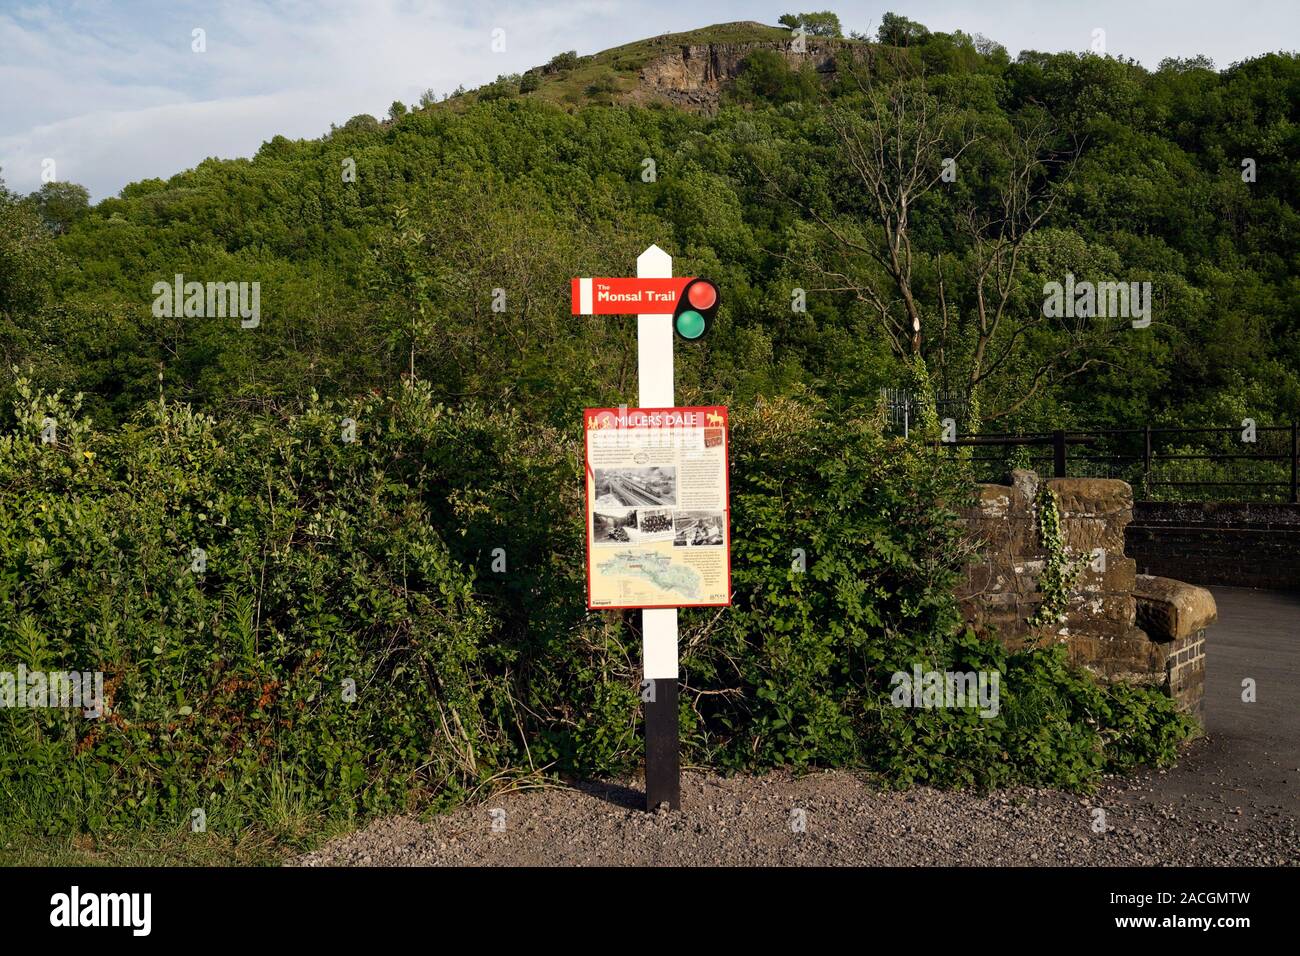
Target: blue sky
[112, 91]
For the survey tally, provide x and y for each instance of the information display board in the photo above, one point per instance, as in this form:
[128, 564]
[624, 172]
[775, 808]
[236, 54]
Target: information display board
[658, 512]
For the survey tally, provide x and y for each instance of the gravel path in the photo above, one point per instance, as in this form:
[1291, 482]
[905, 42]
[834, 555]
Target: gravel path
[748, 821]
[1233, 799]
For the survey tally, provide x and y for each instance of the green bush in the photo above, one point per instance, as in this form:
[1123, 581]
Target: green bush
[605, 84]
[227, 686]
[503, 87]
[371, 561]
[766, 75]
[564, 61]
[798, 672]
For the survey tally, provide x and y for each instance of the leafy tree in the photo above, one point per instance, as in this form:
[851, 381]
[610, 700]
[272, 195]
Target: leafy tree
[990, 48]
[1174, 64]
[60, 205]
[29, 259]
[897, 30]
[823, 24]
[406, 288]
[362, 123]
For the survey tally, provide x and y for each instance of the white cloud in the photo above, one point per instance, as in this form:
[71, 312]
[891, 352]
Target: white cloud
[105, 150]
[112, 91]
[129, 104]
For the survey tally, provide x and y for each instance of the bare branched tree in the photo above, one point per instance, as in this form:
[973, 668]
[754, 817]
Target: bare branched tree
[895, 148]
[964, 325]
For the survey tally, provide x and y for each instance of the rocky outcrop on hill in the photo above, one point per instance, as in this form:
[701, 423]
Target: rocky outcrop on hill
[694, 76]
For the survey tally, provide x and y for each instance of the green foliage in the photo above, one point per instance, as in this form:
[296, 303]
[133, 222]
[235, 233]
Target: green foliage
[822, 24]
[503, 87]
[60, 205]
[29, 261]
[564, 61]
[765, 75]
[226, 688]
[369, 561]
[1156, 194]
[897, 30]
[362, 123]
[804, 660]
[1064, 729]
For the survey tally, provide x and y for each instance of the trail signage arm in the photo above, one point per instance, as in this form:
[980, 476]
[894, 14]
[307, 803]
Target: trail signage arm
[690, 301]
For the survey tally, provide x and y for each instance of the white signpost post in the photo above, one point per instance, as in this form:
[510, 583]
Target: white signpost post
[695, 300]
[654, 363]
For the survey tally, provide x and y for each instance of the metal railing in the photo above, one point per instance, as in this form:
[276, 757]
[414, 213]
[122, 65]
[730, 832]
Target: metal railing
[1261, 462]
[902, 407]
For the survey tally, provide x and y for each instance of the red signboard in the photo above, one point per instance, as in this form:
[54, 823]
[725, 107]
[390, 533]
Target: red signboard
[627, 296]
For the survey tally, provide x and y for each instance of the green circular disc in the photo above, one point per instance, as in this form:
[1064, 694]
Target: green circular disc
[690, 324]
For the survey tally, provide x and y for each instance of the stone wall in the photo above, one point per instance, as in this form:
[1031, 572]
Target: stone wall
[1117, 624]
[1001, 590]
[1243, 544]
[1175, 616]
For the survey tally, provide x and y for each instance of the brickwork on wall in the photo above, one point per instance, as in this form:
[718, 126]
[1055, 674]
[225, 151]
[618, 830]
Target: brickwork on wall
[1185, 672]
[1118, 624]
[1241, 544]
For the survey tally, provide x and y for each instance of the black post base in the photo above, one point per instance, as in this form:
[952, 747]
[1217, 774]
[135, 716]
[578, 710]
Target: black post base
[662, 761]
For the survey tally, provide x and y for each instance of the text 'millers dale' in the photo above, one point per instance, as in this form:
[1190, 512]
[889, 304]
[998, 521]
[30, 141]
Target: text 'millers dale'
[658, 511]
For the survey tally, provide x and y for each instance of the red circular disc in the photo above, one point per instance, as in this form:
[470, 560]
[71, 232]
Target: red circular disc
[702, 295]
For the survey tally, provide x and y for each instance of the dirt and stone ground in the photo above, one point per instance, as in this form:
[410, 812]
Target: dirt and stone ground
[1232, 800]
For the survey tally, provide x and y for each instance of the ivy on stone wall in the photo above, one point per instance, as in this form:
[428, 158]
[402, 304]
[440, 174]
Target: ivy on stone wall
[1060, 573]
